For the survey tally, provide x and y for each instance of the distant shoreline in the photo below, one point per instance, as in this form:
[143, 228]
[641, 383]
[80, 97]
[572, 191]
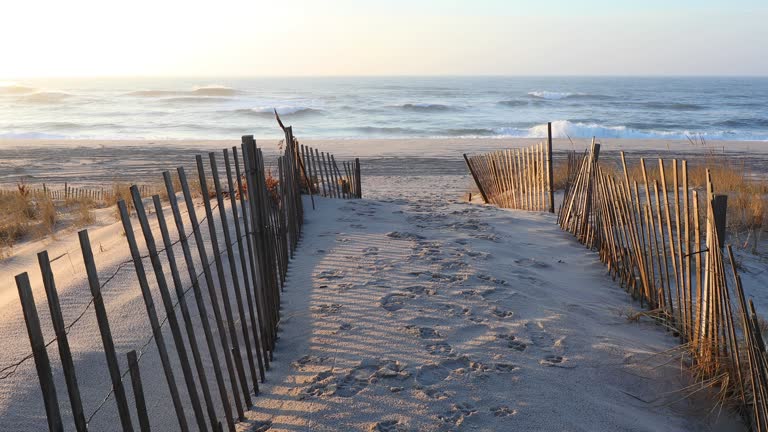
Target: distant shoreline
[100, 163]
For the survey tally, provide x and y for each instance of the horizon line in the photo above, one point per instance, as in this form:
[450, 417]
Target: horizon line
[489, 75]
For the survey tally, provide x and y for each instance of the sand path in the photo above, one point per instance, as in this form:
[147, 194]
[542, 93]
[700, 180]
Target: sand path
[432, 315]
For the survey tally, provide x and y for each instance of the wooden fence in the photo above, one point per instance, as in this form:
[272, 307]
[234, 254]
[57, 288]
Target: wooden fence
[520, 178]
[261, 220]
[66, 192]
[665, 244]
[322, 176]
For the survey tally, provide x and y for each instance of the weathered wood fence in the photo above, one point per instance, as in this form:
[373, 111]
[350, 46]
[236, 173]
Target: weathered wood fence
[520, 178]
[665, 243]
[322, 176]
[261, 223]
[67, 192]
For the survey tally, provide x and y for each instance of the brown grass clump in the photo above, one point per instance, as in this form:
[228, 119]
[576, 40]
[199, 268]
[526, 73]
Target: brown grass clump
[82, 210]
[560, 174]
[272, 184]
[47, 214]
[20, 213]
[120, 191]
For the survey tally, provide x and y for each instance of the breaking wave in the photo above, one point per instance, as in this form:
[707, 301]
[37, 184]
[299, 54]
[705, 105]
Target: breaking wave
[15, 89]
[513, 103]
[566, 129]
[46, 97]
[269, 112]
[426, 107]
[551, 95]
[674, 106]
[197, 91]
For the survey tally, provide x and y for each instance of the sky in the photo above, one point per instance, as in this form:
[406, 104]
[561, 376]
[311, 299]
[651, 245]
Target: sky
[55, 38]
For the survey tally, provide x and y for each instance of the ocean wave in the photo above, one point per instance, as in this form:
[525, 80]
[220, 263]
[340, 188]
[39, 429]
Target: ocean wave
[567, 129]
[552, 95]
[427, 107]
[744, 123]
[197, 91]
[195, 99]
[15, 89]
[269, 112]
[674, 106]
[397, 131]
[470, 132]
[215, 90]
[30, 135]
[45, 97]
[513, 103]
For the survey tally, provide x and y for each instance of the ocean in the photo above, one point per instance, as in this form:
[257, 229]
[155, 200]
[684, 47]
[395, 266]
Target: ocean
[727, 108]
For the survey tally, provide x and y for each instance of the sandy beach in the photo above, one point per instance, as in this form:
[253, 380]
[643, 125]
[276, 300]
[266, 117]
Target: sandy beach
[407, 310]
[100, 162]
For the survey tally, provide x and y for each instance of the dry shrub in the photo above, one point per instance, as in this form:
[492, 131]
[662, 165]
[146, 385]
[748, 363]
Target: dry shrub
[120, 191]
[272, 184]
[560, 174]
[47, 214]
[83, 215]
[18, 213]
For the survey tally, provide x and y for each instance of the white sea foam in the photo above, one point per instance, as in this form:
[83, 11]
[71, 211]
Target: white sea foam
[552, 95]
[566, 129]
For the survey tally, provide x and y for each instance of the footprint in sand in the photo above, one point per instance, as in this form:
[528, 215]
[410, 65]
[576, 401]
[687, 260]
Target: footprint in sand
[326, 308]
[501, 313]
[395, 301]
[326, 383]
[505, 367]
[330, 274]
[503, 411]
[308, 359]
[260, 426]
[437, 394]
[358, 226]
[439, 348]
[404, 236]
[489, 278]
[531, 262]
[423, 332]
[458, 413]
[370, 251]
[431, 374]
[512, 342]
[388, 426]
[420, 289]
[455, 310]
[552, 360]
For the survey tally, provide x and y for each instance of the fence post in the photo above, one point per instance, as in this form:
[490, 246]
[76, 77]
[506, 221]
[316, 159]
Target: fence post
[189, 325]
[61, 339]
[201, 303]
[550, 169]
[233, 273]
[477, 181]
[246, 280]
[170, 312]
[223, 286]
[138, 391]
[719, 207]
[40, 353]
[106, 333]
[258, 287]
[203, 254]
[157, 332]
[358, 178]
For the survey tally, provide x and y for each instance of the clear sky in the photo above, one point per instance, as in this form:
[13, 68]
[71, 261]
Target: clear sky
[40, 38]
